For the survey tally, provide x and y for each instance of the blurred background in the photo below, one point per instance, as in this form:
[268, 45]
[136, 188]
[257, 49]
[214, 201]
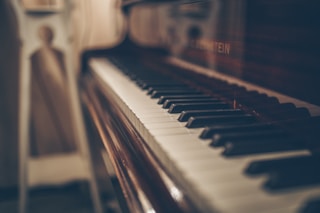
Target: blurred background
[85, 31]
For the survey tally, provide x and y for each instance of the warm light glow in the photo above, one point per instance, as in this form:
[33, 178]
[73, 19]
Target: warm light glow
[42, 4]
[176, 193]
[151, 211]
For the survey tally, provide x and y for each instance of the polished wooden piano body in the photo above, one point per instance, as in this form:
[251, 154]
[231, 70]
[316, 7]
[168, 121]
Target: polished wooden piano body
[242, 77]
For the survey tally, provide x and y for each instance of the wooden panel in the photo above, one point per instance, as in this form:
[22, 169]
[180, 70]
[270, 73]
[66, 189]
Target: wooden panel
[282, 46]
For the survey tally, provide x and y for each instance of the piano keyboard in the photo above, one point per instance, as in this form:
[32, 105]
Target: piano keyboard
[226, 159]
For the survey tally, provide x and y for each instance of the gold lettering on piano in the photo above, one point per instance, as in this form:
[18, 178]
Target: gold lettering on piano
[213, 46]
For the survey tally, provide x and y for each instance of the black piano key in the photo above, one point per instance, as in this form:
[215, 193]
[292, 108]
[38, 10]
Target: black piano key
[164, 98]
[146, 84]
[280, 114]
[289, 114]
[311, 206]
[293, 177]
[166, 84]
[158, 94]
[267, 166]
[209, 131]
[177, 108]
[172, 89]
[232, 149]
[201, 121]
[221, 138]
[266, 109]
[168, 103]
[149, 76]
[130, 75]
[230, 91]
[253, 101]
[185, 115]
[167, 87]
[250, 97]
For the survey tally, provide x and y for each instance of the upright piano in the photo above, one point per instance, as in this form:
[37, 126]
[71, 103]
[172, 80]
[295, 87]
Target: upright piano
[211, 106]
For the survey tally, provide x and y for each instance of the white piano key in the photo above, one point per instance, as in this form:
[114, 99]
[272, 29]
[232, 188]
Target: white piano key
[167, 125]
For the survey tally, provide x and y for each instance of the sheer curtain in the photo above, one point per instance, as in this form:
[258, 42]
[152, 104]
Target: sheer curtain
[96, 24]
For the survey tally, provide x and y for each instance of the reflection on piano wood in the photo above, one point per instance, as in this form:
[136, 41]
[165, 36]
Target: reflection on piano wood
[184, 138]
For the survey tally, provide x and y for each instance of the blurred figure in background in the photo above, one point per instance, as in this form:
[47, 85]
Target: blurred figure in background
[50, 105]
[94, 24]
